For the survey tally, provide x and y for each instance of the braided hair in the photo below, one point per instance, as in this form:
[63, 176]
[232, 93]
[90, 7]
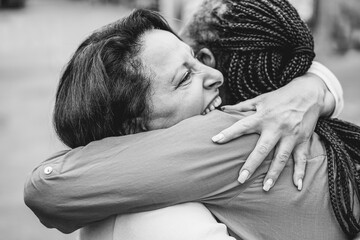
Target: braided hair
[261, 46]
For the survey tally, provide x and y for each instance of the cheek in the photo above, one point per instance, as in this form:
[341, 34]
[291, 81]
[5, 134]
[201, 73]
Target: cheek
[186, 106]
[173, 108]
[193, 103]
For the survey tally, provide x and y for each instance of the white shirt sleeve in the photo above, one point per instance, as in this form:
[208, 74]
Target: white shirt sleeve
[332, 84]
[190, 221]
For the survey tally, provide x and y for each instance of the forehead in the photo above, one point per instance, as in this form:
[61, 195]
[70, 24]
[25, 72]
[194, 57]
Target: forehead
[162, 50]
[159, 39]
[164, 56]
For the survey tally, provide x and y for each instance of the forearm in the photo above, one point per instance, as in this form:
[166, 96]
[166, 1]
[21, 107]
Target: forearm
[137, 173]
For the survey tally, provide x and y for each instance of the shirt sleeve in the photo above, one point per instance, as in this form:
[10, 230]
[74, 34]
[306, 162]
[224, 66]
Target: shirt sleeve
[179, 222]
[332, 84]
[136, 173]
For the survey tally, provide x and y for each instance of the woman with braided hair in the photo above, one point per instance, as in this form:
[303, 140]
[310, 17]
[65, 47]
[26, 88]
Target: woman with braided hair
[125, 175]
[260, 55]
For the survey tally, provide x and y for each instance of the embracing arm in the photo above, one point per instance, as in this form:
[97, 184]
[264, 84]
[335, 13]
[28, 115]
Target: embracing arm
[285, 119]
[136, 173]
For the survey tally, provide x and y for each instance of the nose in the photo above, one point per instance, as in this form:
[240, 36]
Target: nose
[214, 79]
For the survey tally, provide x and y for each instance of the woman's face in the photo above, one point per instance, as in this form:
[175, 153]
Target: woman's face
[181, 86]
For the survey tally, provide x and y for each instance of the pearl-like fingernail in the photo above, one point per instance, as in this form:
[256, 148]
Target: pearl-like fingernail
[300, 184]
[268, 184]
[244, 175]
[218, 137]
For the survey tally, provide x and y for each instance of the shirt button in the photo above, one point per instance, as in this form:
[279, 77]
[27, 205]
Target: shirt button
[48, 170]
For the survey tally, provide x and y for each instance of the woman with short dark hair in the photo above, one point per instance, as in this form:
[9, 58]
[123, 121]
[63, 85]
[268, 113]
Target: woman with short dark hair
[104, 89]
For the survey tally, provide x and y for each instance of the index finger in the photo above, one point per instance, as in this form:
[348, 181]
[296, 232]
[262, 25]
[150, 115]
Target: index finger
[244, 106]
[262, 149]
[244, 126]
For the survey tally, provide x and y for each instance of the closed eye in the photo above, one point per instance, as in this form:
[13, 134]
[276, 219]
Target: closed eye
[186, 78]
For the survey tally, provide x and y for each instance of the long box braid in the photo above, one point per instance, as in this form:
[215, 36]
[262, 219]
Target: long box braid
[260, 46]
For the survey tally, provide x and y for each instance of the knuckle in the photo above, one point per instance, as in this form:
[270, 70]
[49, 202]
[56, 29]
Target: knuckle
[284, 124]
[264, 112]
[300, 160]
[263, 149]
[292, 125]
[296, 130]
[283, 157]
[282, 162]
[303, 136]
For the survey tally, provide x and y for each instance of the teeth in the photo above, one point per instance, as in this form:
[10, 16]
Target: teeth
[218, 101]
[214, 104]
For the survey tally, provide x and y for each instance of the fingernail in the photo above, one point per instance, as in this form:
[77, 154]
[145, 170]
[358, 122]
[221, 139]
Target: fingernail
[300, 183]
[243, 176]
[218, 137]
[268, 185]
[223, 108]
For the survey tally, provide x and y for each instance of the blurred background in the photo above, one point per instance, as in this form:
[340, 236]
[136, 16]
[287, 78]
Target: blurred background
[37, 37]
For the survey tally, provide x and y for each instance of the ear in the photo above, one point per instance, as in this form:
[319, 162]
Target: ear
[206, 57]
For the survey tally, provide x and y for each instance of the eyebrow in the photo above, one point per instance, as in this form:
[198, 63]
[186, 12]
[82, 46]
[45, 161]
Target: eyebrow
[184, 64]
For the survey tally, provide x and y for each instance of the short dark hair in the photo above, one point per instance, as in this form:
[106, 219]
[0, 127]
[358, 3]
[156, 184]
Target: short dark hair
[104, 88]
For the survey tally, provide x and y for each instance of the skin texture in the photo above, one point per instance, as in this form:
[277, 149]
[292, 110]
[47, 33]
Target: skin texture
[181, 86]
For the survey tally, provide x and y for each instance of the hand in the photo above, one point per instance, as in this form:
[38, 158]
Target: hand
[285, 119]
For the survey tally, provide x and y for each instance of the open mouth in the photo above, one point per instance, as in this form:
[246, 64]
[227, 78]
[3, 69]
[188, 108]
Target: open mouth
[212, 105]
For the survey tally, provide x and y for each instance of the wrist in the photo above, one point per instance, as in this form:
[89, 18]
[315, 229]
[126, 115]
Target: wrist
[333, 86]
[326, 99]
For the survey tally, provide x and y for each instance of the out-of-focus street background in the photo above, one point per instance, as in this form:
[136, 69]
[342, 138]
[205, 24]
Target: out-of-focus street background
[38, 37]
